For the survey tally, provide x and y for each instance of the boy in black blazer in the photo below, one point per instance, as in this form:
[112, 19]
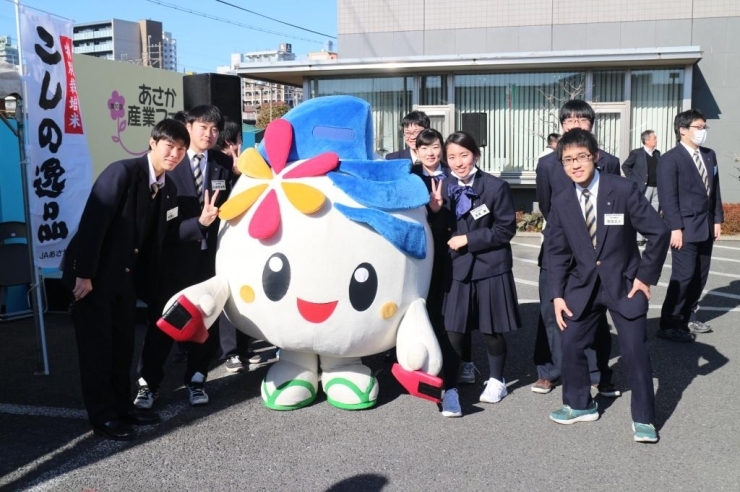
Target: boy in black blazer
[411, 125]
[595, 265]
[203, 183]
[550, 180]
[688, 189]
[113, 259]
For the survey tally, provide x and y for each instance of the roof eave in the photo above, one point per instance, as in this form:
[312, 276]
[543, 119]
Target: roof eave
[294, 72]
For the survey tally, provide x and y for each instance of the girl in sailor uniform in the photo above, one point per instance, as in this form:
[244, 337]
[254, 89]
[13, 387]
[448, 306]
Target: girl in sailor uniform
[480, 292]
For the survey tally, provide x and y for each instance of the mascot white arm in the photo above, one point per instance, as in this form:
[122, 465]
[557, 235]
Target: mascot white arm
[326, 253]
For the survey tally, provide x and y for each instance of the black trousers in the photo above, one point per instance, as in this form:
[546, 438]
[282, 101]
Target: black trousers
[232, 341]
[689, 272]
[632, 334]
[548, 352]
[157, 345]
[105, 332]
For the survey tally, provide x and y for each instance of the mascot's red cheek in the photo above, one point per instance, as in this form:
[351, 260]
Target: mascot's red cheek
[316, 312]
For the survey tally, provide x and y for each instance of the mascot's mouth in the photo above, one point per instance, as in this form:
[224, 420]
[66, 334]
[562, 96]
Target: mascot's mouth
[316, 312]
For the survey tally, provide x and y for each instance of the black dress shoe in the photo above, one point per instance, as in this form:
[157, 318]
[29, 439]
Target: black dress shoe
[137, 417]
[116, 430]
[676, 335]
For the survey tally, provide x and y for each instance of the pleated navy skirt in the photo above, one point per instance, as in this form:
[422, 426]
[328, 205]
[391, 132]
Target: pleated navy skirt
[489, 305]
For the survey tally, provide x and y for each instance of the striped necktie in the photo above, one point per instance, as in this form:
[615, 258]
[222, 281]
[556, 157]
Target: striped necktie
[590, 215]
[154, 190]
[198, 176]
[702, 170]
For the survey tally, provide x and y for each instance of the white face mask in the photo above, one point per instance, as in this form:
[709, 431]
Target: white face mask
[700, 136]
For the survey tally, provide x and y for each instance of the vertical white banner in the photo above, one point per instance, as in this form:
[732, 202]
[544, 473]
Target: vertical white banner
[59, 166]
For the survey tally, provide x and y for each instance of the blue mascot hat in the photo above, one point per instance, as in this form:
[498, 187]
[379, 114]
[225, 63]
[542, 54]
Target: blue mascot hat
[343, 125]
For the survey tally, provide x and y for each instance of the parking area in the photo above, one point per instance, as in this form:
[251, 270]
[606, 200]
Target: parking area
[236, 443]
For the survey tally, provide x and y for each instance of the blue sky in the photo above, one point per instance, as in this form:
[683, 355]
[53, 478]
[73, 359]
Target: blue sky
[204, 43]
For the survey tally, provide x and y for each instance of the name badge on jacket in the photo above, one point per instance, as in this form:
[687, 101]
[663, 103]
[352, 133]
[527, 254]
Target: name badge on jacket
[171, 213]
[479, 212]
[613, 219]
[218, 184]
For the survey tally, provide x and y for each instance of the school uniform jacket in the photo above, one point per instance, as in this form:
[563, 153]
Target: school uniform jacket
[488, 252]
[683, 197]
[440, 232]
[574, 265]
[112, 228]
[551, 179]
[184, 245]
[401, 154]
[636, 167]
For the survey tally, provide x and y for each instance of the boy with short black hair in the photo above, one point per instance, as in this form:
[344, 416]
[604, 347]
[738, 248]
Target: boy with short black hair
[115, 258]
[689, 194]
[203, 183]
[412, 124]
[550, 180]
[595, 266]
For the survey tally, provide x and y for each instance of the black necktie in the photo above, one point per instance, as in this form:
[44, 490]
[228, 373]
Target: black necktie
[198, 176]
[590, 216]
[702, 170]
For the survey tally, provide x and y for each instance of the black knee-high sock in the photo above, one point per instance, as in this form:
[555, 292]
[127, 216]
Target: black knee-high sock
[457, 341]
[496, 349]
[466, 354]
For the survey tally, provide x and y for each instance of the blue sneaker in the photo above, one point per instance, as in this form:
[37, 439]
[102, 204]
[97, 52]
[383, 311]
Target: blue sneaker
[644, 432]
[567, 415]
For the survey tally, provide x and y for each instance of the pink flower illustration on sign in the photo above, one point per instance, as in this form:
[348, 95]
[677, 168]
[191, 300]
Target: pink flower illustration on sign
[117, 108]
[116, 105]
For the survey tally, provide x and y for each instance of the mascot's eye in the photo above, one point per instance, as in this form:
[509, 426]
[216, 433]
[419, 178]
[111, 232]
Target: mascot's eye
[363, 286]
[276, 277]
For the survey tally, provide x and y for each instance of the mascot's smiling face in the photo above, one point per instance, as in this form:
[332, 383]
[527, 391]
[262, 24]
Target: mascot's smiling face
[321, 284]
[323, 254]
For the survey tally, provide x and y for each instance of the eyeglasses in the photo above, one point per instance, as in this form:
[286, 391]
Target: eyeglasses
[697, 127]
[576, 121]
[581, 158]
[411, 134]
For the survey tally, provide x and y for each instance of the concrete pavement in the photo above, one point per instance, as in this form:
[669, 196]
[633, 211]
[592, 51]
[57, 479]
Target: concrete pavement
[235, 443]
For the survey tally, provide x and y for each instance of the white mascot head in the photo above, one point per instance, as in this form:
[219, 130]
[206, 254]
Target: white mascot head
[324, 250]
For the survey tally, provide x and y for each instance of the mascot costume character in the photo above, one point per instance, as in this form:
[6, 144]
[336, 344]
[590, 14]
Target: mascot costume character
[324, 251]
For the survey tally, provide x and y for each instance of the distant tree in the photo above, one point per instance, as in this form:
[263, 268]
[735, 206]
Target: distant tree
[265, 116]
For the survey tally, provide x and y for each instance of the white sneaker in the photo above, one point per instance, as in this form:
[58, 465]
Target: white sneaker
[234, 364]
[495, 391]
[467, 373]
[145, 398]
[451, 404]
[196, 390]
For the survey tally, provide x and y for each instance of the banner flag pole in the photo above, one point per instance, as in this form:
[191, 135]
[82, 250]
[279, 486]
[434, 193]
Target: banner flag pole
[42, 356]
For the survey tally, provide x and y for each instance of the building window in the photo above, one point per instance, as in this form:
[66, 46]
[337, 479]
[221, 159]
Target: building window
[608, 86]
[433, 90]
[389, 98]
[657, 97]
[520, 110]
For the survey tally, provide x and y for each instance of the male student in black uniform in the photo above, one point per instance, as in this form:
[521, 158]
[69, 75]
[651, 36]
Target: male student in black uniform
[412, 124]
[550, 180]
[688, 189]
[203, 183]
[113, 259]
[595, 266]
